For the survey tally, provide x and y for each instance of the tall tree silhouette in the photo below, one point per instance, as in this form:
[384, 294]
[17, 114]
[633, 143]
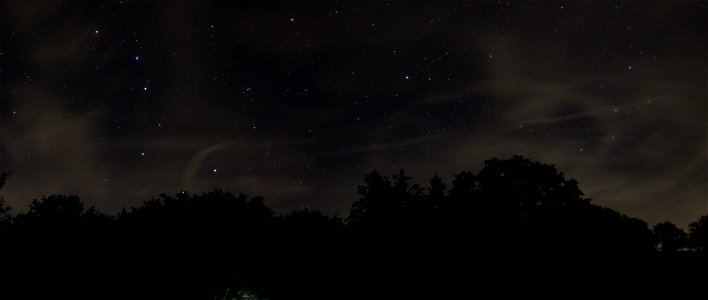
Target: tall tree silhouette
[509, 203]
[61, 245]
[5, 219]
[534, 201]
[384, 201]
[460, 210]
[59, 214]
[428, 210]
[521, 188]
[670, 238]
[698, 233]
[305, 247]
[4, 208]
[501, 225]
[192, 246]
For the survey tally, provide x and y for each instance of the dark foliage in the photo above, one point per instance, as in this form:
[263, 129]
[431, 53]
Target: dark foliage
[4, 209]
[670, 238]
[699, 234]
[505, 225]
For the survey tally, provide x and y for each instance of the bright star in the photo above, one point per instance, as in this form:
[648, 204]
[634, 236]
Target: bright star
[137, 57]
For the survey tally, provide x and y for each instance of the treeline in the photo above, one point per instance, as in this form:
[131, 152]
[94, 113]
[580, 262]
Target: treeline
[505, 225]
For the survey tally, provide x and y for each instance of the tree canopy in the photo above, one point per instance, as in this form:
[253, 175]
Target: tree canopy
[513, 216]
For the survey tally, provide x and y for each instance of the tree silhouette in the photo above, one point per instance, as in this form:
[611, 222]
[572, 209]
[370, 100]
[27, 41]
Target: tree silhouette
[60, 245]
[5, 215]
[534, 202]
[198, 245]
[384, 201]
[523, 188]
[4, 208]
[59, 214]
[460, 211]
[669, 237]
[427, 210]
[503, 225]
[698, 234]
[55, 210]
[305, 249]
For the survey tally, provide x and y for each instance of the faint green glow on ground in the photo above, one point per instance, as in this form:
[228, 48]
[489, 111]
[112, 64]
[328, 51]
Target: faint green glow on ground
[242, 294]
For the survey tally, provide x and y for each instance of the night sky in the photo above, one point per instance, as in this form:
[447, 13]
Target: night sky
[119, 102]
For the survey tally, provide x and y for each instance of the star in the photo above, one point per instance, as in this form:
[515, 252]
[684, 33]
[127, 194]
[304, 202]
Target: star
[142, 153]
[213, 171]
[407, 77]
[145, 88]
[137, 57]
[96, 31]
